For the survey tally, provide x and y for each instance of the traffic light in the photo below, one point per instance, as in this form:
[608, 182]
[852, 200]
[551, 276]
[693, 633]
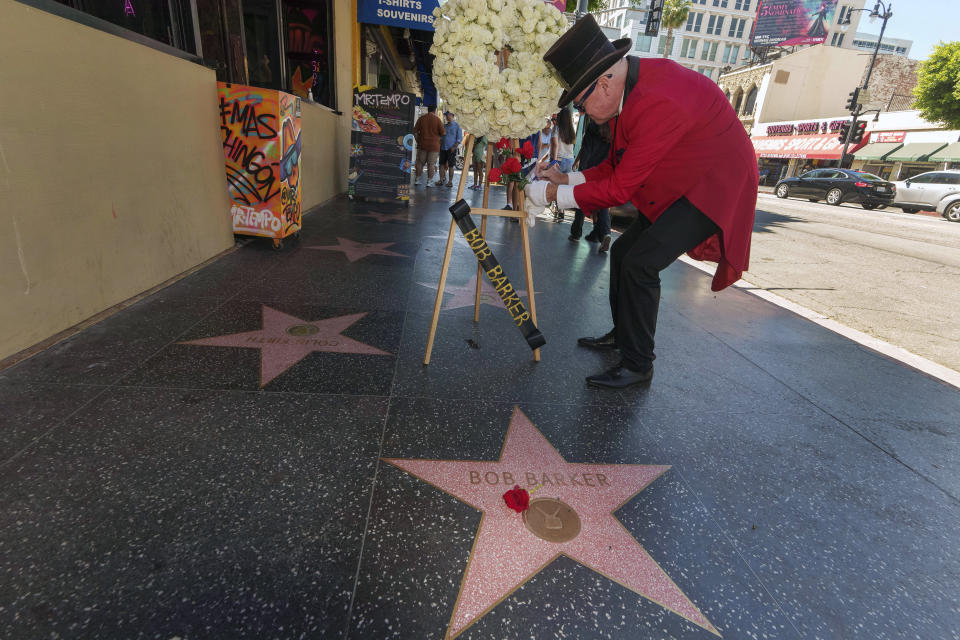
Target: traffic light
[859, 129]
[844, 132]
[852, 102]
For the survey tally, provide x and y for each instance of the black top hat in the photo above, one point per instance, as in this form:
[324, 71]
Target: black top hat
[581, 55]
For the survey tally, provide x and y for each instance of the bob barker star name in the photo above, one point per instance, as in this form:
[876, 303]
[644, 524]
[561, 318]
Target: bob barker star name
[542, 478]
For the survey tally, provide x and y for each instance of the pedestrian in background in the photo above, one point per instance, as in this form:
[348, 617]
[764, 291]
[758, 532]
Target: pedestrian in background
[594, 149]
[428, 132]
[449, 146]
[564, 137]
[479, 162]
[547, 141]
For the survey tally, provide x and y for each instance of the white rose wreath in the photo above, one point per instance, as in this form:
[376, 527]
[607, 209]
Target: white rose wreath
[469, 37]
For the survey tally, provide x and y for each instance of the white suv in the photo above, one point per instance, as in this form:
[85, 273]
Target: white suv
[938, 190]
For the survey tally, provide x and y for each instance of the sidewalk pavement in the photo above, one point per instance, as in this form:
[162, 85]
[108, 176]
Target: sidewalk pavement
[258, 451]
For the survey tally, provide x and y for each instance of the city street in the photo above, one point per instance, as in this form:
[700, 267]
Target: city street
[891, 275]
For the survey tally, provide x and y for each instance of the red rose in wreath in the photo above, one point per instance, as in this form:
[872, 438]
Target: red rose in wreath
[517, 499]
[527, 150]
[510, 165]
[503, 143]
[493, 176]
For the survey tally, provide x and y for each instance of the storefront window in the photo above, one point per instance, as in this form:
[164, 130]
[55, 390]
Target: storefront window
[166, 21]
[262, 38]
[310, 49]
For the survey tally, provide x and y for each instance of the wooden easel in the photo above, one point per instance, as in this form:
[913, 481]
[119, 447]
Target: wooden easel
[483, 212]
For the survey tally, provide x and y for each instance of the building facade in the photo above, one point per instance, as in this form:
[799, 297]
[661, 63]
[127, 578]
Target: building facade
[716, 36]
[793, 109]
[892, 46]
[815, 82]
[902, 144]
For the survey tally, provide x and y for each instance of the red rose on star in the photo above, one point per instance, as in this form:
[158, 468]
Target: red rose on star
[510, 165]
[503, 143]
[527, 150]
[494, 175]
[517, 499]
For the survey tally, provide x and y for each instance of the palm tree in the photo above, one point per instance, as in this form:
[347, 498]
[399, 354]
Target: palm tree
[673, 16]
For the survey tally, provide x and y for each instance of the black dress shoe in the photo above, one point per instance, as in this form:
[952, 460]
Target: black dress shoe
[606, 342]
[620, 377]
[592, 237]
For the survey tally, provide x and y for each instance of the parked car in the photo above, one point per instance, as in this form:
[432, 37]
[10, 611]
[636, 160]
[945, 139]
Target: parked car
[934, 190]
[837, 186]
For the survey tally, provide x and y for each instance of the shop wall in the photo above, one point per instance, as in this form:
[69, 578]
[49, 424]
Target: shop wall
[326, 135]
[320, 163]
[111, 172]
[812, 83]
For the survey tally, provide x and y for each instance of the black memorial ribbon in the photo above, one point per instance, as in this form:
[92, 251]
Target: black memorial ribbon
[521, 317]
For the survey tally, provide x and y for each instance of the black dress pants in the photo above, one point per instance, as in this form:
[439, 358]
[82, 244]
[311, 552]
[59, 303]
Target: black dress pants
[636, 260]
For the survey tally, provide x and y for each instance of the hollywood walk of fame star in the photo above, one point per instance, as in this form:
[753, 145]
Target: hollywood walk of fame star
[387, 217]
[506, 554]
[285, 340]
[463, 296]
[357, 250]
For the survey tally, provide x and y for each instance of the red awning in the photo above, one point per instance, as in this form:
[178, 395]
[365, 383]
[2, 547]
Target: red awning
[821, 146]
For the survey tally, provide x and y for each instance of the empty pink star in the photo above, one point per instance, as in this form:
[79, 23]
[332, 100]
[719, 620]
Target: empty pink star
[285, 340]
[387, 217]
[357, 250]
[506, 554]
[463, 296]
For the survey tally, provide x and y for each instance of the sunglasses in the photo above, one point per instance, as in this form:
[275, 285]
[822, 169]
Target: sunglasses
[290, 160]
[579, 106]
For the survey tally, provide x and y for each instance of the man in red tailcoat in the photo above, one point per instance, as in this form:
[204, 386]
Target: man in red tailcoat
[679, 154]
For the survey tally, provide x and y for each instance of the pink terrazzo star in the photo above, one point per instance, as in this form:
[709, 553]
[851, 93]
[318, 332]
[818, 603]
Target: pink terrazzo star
[357, 250]
[463, 295]
[285, 340]
[506, 554]
[387, 217]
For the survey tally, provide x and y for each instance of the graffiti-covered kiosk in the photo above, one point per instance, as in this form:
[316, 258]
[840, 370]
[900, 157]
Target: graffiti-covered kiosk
[261, 151]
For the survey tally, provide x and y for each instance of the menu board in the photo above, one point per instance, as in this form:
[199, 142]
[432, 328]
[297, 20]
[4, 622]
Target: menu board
[381, 149]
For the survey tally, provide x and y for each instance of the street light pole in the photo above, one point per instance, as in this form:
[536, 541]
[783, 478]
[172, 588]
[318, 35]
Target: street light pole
[887, 12]
[875, 13]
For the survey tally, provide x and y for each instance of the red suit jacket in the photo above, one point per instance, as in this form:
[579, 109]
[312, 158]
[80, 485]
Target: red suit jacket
[677, 135]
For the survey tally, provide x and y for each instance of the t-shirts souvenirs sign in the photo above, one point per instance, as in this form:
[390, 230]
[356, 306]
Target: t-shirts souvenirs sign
[381, 145]
[412, 14]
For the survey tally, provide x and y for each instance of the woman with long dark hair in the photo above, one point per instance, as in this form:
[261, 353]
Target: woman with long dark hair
[566, 137]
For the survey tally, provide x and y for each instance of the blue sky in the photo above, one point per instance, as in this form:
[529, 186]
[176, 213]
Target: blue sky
[926, 22]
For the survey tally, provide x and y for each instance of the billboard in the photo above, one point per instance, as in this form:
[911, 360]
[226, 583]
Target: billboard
[787, 23]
